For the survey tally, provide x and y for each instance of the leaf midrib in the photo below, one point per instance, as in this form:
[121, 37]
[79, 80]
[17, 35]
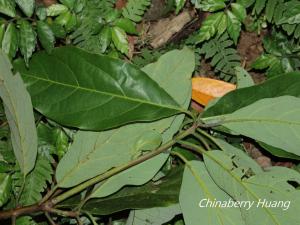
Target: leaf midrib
[104, 93]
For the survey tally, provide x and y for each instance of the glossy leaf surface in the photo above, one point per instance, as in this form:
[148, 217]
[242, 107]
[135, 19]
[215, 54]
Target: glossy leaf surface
[93, 92]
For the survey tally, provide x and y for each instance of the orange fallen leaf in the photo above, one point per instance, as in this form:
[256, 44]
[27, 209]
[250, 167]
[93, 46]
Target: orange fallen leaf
[206, 89]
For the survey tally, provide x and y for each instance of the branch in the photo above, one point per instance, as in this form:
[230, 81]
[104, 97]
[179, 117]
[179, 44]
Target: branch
[48, 206]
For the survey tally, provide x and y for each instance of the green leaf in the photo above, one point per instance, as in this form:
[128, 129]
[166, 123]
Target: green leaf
[245, 3]
[56, 9]
[127, 25]
[81, 164]
[105, 38]
[239, 157]
[84, 82]
[172, 78]
[5, 188]
[239, 11]
[102, 151]
[263, 61]
[259, 5]
[27, 40]
[272, 186]
[244, 79]
[196, 190]
[2, 32]
[211, 5]
[278, 152]
[25, 220]
[119, 38]
[270, 9]
[234, 26]
[274, 121]
[160, 193]
[209, 27]
[157, 215]
[10, 41]
[41, 12]
[46, 36]
[72, 22]
[222, 25]
[7, 7]
[36, 181]
[179, 5]
[288, 84]
[63, 18]
[27, 6]
[58, 30]
[19, 113]
[69, 3]
[135, 9]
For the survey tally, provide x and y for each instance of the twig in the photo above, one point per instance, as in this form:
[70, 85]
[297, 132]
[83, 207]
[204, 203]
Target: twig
[49, 218]
[48, 206]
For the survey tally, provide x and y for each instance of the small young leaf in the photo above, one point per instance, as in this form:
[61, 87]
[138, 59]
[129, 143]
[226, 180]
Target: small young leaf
[10, 41]
[211, 5]
[259, 5]
[25, 220]
[7, 7]
[27, 39]
[19, 113]
[135, 9]
[119, 38]
[222, 25]
[72, 22]
[36, 181]
[63, 18]
[69, 3]
[239, 11]
[127, 25]
[263, 61]
[209, 27]
[56, 9]
[234, 26]
[46, 36]
[105, 38]
[41, 12]
[270, 9]
[5, 188]
[2, 32]
[244, 79]
[179, 5]
[27, 6]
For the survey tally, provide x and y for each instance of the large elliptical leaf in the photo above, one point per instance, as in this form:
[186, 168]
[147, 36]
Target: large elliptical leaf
[274, 121]
[197, 190]
[89, 154]
[19, 113]
[161, 193]
[93, 92]
[271, 186]
[287, 84]
[171, 80]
